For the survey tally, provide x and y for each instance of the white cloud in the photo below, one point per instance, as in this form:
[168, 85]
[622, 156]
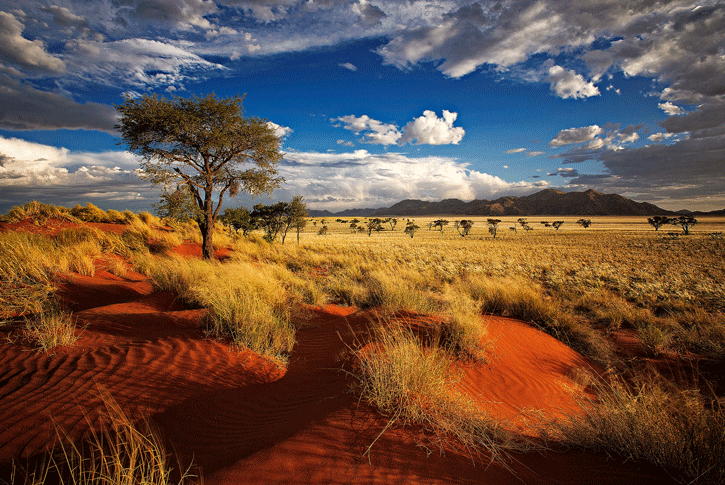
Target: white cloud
[431, 130]
[534, 154]
[348, 65]
[279, 131]
[568, 84]
[22, 52]
[57, 175]
[135, 62]
[576, 135]
[658, 137]
[345, 143]
[362, 179]
[670, 108]
[424, 130]
[516, 150]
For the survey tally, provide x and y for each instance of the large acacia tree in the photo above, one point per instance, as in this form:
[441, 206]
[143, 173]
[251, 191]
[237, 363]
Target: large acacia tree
[204, 143]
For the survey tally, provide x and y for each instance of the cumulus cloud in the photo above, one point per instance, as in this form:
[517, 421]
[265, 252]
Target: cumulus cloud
[576, 135]
[27, 108]
[19, 51]
[279, 131]
[337, 181]
[568, 84]
[424, 130]
[57, 175]
[431, 130]
[670, 108]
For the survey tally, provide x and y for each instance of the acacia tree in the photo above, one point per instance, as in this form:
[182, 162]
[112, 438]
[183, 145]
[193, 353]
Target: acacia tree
[178, 205]
[659, 221]
[557, 224]
[202, 143]
[239, 218]
[685, 222]
[584, 222]
[410, 228]
[463, 226]
[440, 223]
[493, 226]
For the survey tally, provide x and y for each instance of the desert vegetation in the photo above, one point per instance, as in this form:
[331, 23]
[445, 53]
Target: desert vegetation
[585, 286]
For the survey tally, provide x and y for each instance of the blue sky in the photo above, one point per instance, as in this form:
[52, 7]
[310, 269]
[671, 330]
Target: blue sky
[375, 100]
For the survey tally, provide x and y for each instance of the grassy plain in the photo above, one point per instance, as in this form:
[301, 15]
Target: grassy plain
[580, 285]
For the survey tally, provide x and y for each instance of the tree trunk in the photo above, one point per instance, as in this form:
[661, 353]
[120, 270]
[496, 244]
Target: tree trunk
[207, 228]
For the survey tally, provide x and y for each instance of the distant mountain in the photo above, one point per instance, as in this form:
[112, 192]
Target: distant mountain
[548, 202]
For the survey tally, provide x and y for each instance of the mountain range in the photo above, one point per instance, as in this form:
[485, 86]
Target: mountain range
[550, 202]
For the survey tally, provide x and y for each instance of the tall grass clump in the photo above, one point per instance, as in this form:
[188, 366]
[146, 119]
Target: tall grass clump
[120, 453]
[245, 303]
[49, 329]
[517, 298]
[412, 385]
[38, 213]
[656, 422]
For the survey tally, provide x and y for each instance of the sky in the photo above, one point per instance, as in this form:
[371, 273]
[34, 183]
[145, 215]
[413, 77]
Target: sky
[376, 101]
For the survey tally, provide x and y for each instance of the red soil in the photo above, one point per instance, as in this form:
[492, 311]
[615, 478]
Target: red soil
[243, 419]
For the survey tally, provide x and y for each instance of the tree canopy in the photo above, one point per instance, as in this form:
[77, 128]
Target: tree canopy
[205, 143]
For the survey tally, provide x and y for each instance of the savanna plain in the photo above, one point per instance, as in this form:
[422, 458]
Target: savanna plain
[570, 355]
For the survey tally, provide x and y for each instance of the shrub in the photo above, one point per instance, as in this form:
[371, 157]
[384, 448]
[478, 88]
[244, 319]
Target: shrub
[50, 329]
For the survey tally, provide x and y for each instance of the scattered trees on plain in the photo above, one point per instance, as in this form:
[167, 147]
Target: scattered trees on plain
[658, 221]
[685, 222]
[440, 223]
[557, 224]
[375, 224]
[239, 218]
[410, 228]
[584, 222]
[202, 143]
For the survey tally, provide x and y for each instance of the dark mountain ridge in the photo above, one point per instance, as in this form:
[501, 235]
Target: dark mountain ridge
[549, 202]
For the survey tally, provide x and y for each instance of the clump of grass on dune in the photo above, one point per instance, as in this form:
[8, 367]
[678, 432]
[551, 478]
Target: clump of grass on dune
[38, 213]
[412, 385]
[49, 329]
[653, 421]
[121, 453]
[517, 298]
[246, 303]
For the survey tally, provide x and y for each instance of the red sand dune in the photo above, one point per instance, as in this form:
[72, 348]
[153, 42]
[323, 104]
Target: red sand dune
[242, 419]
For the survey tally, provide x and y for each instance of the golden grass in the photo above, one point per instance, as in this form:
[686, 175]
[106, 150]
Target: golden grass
[653, 421]
[121, 453]
[49, 329]
[412, 384]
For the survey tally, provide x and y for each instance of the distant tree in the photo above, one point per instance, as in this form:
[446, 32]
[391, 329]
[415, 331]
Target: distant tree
[685, 222]
[178, 205]
[440, 223]
[659, 221]
[546, 224]
[202, 143]
[353, 226]
[296, 216]
[322, 231]
[584, 222]
[271, 218]
[493, 226]
[374, 224]
[463, 226]
[410, 228]
[557, 224]
[239, 218]
[392, 221]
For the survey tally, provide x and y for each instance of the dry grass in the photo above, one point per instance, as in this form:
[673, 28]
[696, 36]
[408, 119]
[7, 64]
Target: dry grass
[122, 453]
[653, 421]
[49, 329]
[412, 384]
[247, 304]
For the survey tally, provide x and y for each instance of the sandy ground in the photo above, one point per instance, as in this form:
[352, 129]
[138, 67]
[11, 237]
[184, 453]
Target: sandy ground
[243, 419]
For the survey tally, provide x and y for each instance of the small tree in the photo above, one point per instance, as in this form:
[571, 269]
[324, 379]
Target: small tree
[659, 221]
[178, 205]
[584, 222]
[271, 218]
[685, 222]
[557, 224]
[546, 223]
[493, 226]
[410, 228]
[297, 216]
[463, 226]
[322, 231]
[202, 143]
[374, 225]
[440, 223]
[239, 218]
[392, 221]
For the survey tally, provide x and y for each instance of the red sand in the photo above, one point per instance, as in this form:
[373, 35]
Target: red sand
[243, 419]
